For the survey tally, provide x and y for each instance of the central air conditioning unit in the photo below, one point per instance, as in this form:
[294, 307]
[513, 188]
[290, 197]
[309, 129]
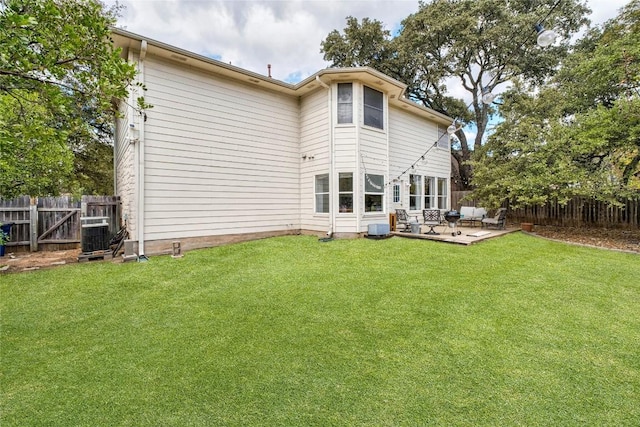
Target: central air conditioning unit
[378, 230]
[95, 234]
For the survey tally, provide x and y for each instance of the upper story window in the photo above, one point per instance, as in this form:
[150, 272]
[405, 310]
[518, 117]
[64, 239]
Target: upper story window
[345, 103]
[443, 137]
[373, 108]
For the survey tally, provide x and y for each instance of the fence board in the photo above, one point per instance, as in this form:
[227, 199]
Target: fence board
[578, 212]
[53, 223]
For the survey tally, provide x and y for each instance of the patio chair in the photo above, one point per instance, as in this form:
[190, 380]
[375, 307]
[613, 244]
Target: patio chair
[498, 221]
[403, 218]
[431, 219]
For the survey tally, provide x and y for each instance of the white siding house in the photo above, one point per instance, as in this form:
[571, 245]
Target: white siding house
[226, 154]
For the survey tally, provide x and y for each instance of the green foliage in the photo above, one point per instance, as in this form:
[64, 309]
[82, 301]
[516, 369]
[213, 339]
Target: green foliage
[4, 237]
[60, 72]
[578, 136]
[35, 158]
[293, 332]
[478, 43]
[362, 45]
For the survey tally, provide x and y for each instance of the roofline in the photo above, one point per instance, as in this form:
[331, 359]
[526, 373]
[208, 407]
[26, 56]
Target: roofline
[393, 87]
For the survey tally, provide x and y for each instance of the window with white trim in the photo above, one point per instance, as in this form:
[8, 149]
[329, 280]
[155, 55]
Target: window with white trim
[443, 138]
[373, 192]
[442, 193]
[345, 192]
[322, 193]
[345, 103]
[429, 192]
[415, 192]
[396, 193]
[373, 108]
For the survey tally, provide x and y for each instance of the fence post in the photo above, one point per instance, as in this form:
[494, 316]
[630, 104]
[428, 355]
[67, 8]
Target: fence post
[33, 224]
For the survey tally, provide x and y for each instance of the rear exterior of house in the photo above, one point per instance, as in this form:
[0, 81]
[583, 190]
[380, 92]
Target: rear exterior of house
[227, 155]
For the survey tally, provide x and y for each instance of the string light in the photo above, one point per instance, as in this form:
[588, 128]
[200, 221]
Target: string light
[545, 37]
[487, 96]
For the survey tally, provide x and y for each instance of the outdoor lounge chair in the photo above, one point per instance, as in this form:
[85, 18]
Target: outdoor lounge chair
[431, 219]
[497, 221]
[470, 215]
[403, 218]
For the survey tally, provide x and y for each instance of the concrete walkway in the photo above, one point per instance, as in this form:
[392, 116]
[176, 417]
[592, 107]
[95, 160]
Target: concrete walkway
[467, 236]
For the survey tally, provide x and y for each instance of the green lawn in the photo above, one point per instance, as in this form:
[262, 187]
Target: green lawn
[296, 332]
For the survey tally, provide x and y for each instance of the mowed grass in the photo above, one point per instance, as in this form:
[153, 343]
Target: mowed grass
[295, 332]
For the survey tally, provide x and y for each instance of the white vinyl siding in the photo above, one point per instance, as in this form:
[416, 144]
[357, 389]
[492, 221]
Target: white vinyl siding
[314, 142]
[215, 153]
[410, 137]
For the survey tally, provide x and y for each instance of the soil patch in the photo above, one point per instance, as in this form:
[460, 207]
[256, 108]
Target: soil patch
[26, 261]
[608, 238]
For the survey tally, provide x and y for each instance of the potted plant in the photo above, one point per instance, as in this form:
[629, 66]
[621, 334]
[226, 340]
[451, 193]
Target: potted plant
[527, 226]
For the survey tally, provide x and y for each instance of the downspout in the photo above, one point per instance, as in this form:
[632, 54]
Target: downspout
[332, 210]
[141, 176]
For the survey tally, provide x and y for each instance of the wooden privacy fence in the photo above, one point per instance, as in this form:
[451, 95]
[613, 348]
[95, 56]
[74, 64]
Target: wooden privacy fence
[53, 223]
[578, 212]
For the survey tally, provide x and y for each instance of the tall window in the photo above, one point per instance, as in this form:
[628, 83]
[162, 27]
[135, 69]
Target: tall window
[322, 193]
[429, 192]
[415, 192]
[373, 108]
[396, 193]
[442, 193]
[373, 192]
[443, 137]
[345, 192]
[345, 103]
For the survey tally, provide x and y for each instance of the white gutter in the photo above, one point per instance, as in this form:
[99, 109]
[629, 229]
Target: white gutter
[332, 160]
[141, 176]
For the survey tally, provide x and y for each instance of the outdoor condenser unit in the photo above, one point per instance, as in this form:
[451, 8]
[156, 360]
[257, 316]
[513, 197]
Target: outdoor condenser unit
[95, 233]
[378, 230]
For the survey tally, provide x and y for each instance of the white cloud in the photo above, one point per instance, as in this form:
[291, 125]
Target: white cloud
[284, 33]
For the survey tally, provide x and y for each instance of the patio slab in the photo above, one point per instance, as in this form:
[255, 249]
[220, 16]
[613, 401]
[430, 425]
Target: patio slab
[467, 236]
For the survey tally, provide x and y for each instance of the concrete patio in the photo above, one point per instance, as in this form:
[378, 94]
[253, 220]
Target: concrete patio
[468, 235]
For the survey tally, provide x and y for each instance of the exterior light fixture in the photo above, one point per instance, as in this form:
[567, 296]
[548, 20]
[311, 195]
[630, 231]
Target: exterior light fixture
[487, 96]
[545, 37]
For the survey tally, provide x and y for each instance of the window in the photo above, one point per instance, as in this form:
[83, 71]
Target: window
[373, 192]
[415, 192]
[322, 193]
[373, 109]
[442, 193]
[396, 193]
[345, 103]
[443, 137]
[345, 192]
[429, 192]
